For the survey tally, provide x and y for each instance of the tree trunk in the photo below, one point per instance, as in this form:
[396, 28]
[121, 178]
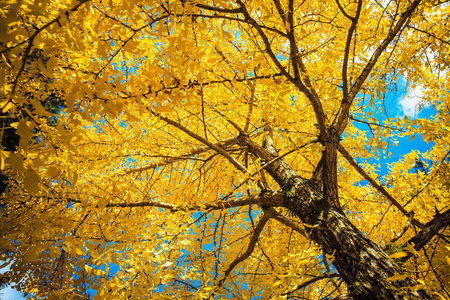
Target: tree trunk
[361, 263]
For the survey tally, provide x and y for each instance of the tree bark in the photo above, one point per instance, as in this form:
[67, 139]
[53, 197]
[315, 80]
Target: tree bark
[329, 174]
[361, 263]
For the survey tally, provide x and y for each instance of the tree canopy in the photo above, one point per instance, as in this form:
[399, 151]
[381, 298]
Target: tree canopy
[218, 149]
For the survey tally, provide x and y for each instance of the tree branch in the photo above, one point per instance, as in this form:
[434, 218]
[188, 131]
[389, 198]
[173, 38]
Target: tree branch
[265, 41]
[293, 45]
[250, 106]
[381, 189]
[347, 102]
[215, 9]
[202, 84]
[251, 246]
[392, 34]
[343, 11]
[440, 221]
[351, 30]
[221, 144]
[311, 281]
[274, 199]
[214, 147]
[403, 231]
[286, 221]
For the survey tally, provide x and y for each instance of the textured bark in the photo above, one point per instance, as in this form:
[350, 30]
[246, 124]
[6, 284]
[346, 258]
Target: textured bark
[360, 262]
[330, 188]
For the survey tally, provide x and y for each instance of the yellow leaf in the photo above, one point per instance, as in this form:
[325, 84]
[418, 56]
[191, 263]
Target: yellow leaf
[3, 155]
[7, 2]
[411, 249]
[331, 256]
[53, 172]
[447, 260]
[398, 254]
[398, 277]
[7, 105]
[23, 129]
[16, 162]
[99, 272]
[78, 251]
[277, 283]
[31, 181]
[57, 293]
[167, 264]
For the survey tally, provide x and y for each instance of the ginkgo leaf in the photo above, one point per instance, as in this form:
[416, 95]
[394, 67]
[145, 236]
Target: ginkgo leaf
[53, 172]
[78, 251]
[17, 162]
[6, 106]
[167, 264]
[31, 181]
[3, 156]
[447, 260]
[410, 248]
[398, 277]
[399, 254]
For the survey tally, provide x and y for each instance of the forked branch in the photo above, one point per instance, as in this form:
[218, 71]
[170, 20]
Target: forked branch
[266, 41]
[347, 101]
[432, 228]
[372, 181]
[168, 161]
[214, 147]
[251, 246]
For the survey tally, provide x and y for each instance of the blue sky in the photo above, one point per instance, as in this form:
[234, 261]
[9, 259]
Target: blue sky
[9, 293]
[404, 104]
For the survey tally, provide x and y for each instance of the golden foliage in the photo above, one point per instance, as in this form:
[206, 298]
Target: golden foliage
[141, 189]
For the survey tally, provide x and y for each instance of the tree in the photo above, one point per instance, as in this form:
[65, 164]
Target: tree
[213, 149]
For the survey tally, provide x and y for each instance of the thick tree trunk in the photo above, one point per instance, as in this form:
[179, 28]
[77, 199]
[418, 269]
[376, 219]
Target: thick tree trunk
[361, 263]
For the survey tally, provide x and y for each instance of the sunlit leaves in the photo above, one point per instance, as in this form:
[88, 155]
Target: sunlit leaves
[110, 196]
